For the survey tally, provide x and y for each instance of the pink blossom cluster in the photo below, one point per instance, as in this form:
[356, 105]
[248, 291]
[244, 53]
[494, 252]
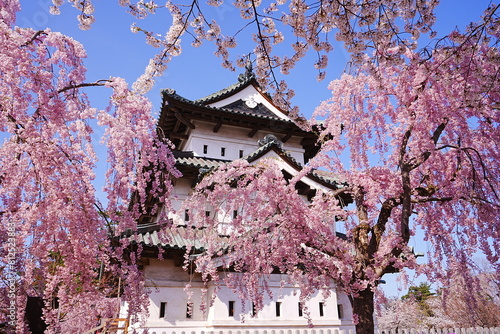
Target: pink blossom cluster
[275, 229]
[363, 26]
[412, 138]
[415, 143]
[67, 247]
[424, 133]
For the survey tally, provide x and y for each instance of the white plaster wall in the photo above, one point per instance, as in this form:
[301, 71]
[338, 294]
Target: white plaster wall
[289, 310]
[166, 283]
[233, 139]
[343, 300]
[180, 191]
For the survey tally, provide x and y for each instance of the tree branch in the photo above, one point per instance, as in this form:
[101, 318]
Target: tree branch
[404, 144]
[416, 162]
[84, 84]
[35, 36]
[432, 199]
[383, 218]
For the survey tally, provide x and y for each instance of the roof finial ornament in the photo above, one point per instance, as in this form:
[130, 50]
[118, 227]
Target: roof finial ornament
[248, 65]
[248, 70]
[268, 139]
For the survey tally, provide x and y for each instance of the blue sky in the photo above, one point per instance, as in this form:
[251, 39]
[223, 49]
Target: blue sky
[113, 50]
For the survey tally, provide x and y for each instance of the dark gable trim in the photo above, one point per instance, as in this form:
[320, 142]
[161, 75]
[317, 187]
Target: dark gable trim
[231, 90]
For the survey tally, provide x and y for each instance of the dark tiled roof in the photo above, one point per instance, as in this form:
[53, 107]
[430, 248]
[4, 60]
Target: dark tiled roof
[273, 144]
[186, 159]
[242, 107]
[175, 237]
[227, 109]
[243, 81]
[200, 162]
[320, 175]
[328, 177]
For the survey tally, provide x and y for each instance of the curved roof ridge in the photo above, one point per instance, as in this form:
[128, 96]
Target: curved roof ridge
[321, 176]
[173, 94]
[278, 145]
[244, 80]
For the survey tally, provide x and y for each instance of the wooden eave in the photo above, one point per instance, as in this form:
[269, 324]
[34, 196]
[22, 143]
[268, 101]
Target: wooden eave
[178, 117]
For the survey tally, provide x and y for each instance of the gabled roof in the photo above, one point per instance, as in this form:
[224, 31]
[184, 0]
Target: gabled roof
[192, 166]
[322, 177]
[243, 105]
[235, 109]
[244, 80]
[315, 179]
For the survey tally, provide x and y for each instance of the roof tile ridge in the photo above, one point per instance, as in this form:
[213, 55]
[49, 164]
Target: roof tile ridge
[180, 98]
[173, 94]
[243, 82]
[272, 143]
[204, 158]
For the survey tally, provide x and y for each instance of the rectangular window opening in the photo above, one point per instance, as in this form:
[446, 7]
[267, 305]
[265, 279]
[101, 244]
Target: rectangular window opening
[189, 310]
[278, 309]
[186, 215]
[241, 153]
[321, 309]
[235, 214]
[207, 213]
[340, 310]
[300, 310]
[222, 151]
[163, 306]
[205, 149]
[254, 310]
[230, 308]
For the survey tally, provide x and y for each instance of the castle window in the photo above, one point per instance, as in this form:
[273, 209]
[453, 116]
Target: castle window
[321, 309]
[300, 309]
[205, 149]
[235, 214]
[254, 310]
[189, 310]
[163, 306]
[340, 310]
[207, 213]
[186, 215]
[241, 153]
[222, 151]
[278, 309]
[230, 308]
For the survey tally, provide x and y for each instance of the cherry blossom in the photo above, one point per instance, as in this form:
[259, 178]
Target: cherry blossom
[59, 242]
[419, 129]
[362, 26]
[416, 143]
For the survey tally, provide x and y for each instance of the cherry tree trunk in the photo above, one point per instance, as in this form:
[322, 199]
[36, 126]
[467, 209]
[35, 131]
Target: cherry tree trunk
[363, 307]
